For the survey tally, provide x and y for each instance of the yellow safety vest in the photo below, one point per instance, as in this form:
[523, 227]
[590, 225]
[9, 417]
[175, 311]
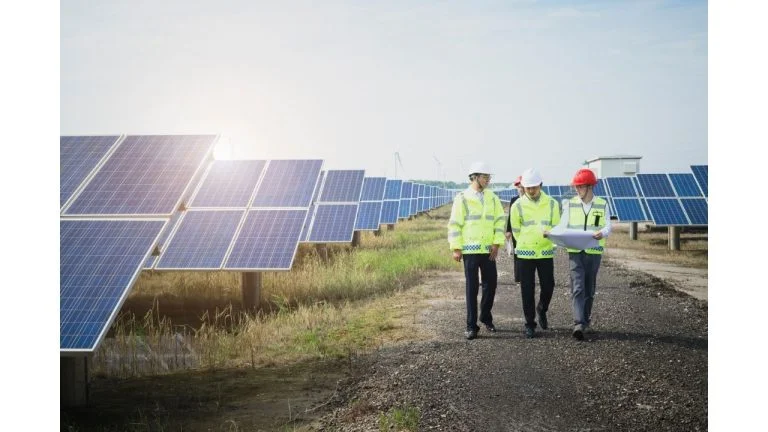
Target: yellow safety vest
[528, 219]
[475, 226]
[592, 221]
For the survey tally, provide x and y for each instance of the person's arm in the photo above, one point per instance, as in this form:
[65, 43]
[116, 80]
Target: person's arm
[508, 232]
[606, 230]
[514, 221]
[455, 226]
[565, 215]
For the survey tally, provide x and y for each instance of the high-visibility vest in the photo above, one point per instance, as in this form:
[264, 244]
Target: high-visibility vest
[528, 219]
[475, 226]
[592, 221]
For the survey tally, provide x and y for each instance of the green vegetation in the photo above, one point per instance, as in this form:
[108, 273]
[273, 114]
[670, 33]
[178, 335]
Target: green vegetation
[406, 418]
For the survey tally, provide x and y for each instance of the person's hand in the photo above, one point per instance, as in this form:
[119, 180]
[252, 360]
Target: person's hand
[494, 252]
[597, 235]
[457, 255]
[508, 235]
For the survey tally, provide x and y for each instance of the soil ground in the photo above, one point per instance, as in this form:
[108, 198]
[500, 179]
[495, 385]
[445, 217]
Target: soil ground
[645, 369]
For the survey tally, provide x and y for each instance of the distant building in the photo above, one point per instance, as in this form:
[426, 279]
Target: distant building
[614, 166]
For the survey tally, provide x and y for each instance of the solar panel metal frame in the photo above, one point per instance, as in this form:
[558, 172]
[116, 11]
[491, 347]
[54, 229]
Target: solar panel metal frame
[239, 214]
[124, 291]
[205, 157]
[701, 174]
[84, 179]
[165, 234]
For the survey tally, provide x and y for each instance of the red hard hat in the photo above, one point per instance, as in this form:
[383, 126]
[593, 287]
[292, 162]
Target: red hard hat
[584, 176]
[518, 180]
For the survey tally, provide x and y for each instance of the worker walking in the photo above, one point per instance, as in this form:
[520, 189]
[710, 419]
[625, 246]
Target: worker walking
[531, 218]
[589, 213]
[475, 232]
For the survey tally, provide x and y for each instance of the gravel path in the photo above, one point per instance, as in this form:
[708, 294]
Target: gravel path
[645, 369]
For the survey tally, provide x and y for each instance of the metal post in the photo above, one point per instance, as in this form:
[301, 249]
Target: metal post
[356, 239]
[633, 230]
[390, 227]
[251, 285]
[322, 250]
[73, 380]
[674, 238]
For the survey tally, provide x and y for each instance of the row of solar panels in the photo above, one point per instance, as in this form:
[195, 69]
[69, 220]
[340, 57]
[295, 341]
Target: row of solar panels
[122, 197]
[678, 199]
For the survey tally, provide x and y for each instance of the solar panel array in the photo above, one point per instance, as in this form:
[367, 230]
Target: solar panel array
[78, 157]
[369, 213]
[335, 212]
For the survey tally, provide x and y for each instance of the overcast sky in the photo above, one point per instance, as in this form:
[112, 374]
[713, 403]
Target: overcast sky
[517, 84]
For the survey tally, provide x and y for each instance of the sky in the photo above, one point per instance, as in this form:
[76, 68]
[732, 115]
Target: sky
[516, 84]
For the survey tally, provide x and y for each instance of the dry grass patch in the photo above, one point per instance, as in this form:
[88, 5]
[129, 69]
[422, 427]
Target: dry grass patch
[654, 245]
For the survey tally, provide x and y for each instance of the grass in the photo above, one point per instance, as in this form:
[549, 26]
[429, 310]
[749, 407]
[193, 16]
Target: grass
[653, 245]
[322, 309]
[404, 418]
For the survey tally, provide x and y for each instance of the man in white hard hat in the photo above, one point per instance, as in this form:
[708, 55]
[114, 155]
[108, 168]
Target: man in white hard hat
[531, 218]
[475, 232]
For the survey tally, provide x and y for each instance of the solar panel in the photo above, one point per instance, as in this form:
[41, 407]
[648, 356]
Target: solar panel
[645, 208]
[685, 185]
[392, 189]
[405, 200]
[288, 183]
[145, 175]
[621, 187]
[333, 223]
[268, 240]
[655, 185]
[100, 260]
[697, 210]
[667, 211]
[228, 183]
[373, 189]
[310, 214]
[701, 174]
[201, 241]
[368, 216]
[629, 209]
[389, 212]
[599, 189]
[78, 156]
[342, 186]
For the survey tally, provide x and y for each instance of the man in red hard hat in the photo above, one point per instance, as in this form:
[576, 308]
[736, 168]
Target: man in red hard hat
[589, 213]
[508, 234]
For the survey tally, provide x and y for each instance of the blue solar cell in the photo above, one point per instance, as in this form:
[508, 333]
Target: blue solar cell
[288, 183]
[78, 156]
[599, 189]
[146, 175]
[655, 185]
[685, 185]
[629, 209]
[201, 241]
[697, 210]
[621, 187]
[406, 190]
[389, 212]
[414, 206]
[268, 240]
[333, 223]
[701, 173]
[99, 261]
[373, 189]
[342, 186]
[645, 207]
[392, 189]
[228, 183]
[405, 208]
[667, 211]
[368, 216]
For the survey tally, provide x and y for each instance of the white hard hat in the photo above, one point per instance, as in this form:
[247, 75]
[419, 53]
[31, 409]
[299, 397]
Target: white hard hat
[479, 168]
[531, 178]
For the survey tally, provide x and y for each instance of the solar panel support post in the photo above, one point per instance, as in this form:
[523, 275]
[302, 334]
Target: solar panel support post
[390, 227]
[74, 380]
[251, 285]
[674, 238]
[322, 250]
[633, 230]
[356, 239]
[377, 233]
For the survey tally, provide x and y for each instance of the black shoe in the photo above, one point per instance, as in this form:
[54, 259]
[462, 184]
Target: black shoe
[529, 333]
[491, 328]
[543, 320]
[578, 332]
[470, 334]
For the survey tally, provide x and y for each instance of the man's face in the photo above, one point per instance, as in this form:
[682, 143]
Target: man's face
[533, 191]
[582, 190]
[483, 180]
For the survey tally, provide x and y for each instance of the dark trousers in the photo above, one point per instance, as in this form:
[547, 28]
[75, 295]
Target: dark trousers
[515, 263]
[528, 269]
[474, 263]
